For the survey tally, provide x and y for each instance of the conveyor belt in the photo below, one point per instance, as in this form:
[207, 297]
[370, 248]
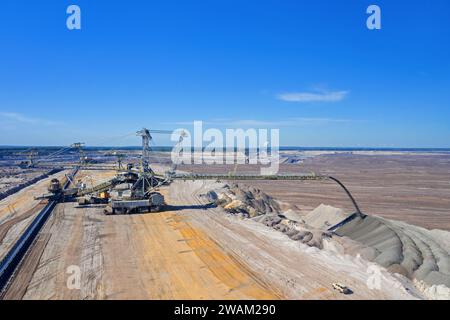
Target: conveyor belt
[13, 258]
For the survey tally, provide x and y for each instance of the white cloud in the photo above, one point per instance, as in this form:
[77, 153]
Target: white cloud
[323, 96]
[20, 118]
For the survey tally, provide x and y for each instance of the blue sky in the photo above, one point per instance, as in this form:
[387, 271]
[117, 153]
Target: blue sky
[310, 68]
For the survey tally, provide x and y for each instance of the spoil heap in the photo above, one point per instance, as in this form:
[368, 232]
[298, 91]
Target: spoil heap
[416, 253]
[245, 201]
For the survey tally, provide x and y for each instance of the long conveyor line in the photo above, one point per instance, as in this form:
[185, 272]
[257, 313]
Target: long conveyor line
[14, 257]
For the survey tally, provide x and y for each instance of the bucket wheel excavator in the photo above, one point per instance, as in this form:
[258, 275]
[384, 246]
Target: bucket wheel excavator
[132, 190]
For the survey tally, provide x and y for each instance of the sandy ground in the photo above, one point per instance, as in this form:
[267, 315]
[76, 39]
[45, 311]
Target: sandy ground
[148, 256]
[298, 271]
[414, 188]
[189, 252]
[18, 210]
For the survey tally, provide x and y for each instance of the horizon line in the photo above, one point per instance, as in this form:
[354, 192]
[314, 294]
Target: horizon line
[281, 147]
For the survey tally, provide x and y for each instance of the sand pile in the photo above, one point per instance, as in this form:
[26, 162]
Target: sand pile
[401, 248]
[324, 217]
[250, 202]
[246, 201]
[416, 253]
[297, 231]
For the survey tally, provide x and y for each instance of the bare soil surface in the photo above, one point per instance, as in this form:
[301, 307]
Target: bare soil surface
[194, 251]
[406, 187]
[190, 252]
[145, 256]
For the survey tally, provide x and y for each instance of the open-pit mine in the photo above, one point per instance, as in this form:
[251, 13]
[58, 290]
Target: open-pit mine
[103, 223]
